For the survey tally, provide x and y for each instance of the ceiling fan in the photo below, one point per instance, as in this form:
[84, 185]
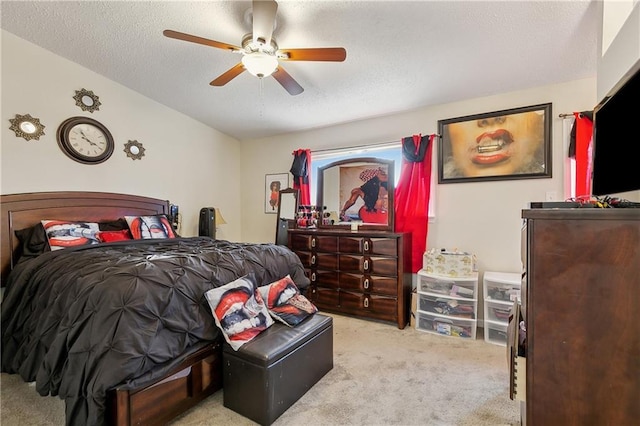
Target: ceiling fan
[260, 52]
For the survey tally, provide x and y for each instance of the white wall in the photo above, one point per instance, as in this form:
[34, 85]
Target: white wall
[618, 44]
[186, 162]
[479, 217]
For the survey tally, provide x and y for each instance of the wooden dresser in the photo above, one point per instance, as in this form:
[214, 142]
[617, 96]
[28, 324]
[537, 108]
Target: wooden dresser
[582, 302]
[361, 273]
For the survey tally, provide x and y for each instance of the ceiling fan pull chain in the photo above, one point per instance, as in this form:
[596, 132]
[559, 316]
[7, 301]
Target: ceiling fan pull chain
[261, 97]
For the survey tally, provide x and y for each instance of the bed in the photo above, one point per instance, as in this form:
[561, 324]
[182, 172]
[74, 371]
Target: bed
[121, 331]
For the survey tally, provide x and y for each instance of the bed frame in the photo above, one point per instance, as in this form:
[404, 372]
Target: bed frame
[196, 377]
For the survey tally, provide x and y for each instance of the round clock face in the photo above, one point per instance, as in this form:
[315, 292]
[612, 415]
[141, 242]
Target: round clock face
[85, 140]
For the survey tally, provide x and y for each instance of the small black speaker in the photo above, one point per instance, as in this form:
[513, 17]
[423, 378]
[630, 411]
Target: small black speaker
[282, 233]
[207, 223]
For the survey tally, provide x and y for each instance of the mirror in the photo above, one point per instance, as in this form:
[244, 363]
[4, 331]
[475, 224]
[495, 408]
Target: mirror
[287, 210]
[357, 193]
[87, 101]
[288, 204]
[27, 127]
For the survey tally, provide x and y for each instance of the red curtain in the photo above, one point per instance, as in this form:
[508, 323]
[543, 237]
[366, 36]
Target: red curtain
[584, 133]
[301, 171]
[412, 194]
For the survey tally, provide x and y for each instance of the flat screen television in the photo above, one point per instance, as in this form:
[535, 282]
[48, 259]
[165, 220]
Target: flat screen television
[616, 139]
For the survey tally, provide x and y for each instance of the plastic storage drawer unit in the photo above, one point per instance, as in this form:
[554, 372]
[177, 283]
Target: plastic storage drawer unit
[500, 290]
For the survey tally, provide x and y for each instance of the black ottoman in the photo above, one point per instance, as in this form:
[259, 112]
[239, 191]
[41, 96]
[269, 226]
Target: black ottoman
[266, 376]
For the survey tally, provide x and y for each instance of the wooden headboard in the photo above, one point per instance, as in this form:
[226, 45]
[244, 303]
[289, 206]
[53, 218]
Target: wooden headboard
[20, 211]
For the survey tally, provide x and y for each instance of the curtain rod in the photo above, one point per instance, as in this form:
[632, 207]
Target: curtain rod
[371, 145]
[565, 115]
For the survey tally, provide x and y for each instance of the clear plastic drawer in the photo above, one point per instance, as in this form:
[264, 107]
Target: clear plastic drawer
[445, 326]
[447, 306]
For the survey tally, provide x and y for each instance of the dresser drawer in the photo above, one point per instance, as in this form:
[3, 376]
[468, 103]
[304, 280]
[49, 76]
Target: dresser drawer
[323, 297]
[318, 260]
[359, 303]
[365, 245]
[369, 284]
[373, 265]
[314, 242]
[300, 242]
[324, 278]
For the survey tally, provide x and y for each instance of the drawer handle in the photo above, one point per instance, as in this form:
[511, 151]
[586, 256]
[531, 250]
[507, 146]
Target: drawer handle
[366, 246]
[366, 283]
[313, 276]
[313, 259]
[313, 242]
[366, 264]
[366, 302]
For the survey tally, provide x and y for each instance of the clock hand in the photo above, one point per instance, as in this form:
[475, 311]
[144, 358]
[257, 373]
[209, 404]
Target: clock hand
[86, 139]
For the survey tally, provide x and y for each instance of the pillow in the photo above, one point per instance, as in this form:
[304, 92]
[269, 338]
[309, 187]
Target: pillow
[33, 241]
[114, 225]
[62, 234]
[285, 302]
[148, 227]
[239, 311]
[110, 236]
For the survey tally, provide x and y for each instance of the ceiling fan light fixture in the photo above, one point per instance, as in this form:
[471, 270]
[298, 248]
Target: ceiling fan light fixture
[260, 64]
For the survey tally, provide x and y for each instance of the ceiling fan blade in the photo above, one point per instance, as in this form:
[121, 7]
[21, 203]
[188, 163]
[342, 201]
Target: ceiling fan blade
[264, 17]
[335, 54]
[289, 84]
[195, 39]
[228, 75]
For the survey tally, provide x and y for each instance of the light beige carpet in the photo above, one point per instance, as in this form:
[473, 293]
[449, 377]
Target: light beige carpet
[381, 376]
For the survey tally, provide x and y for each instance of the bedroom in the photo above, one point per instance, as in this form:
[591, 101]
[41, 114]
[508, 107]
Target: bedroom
[194, 165]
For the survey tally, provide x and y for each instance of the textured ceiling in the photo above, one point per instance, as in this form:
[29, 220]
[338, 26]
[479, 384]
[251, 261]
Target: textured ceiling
[400, 55]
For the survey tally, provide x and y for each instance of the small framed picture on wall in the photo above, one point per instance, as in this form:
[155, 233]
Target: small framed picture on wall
[272, 186]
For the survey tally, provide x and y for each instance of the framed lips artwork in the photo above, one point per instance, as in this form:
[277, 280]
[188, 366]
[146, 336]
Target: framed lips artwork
[500, 145]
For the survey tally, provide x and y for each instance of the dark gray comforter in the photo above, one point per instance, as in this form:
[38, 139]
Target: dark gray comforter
[81, 321]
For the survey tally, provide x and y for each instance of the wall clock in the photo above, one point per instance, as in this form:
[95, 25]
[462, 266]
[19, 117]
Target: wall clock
[85, 140]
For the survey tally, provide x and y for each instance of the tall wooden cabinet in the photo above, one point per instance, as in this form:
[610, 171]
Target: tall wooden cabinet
[582, 302]
[363, 273]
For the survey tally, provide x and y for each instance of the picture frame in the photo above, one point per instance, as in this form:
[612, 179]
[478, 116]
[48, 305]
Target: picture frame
[273, 183]
[507, 144]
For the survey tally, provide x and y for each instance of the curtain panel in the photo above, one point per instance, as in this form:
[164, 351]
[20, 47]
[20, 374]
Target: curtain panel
[411, 196]
[301, 171]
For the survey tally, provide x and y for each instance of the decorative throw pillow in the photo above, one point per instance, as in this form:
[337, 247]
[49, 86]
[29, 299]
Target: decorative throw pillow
[239, 310]
[33, 241]
[109, 236]
[114, 225]
[62, 234]
[285, 303]
[148, 227]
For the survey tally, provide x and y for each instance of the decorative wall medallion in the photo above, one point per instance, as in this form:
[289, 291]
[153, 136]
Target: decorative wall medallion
[87, 100]
[27, 127]
[134, 150]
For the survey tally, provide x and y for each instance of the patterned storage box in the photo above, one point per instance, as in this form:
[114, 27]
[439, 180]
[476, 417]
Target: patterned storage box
[451, 263]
